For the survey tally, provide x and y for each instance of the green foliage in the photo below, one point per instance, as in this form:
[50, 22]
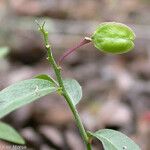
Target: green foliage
[3, 51]
[10, 134]
[112, 37]
[46, 77]
[72, 87]
[22, 93]
[74, 90]
[114, 140]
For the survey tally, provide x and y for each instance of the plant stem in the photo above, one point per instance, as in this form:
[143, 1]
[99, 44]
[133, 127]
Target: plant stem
[86, 40]
[57, 71]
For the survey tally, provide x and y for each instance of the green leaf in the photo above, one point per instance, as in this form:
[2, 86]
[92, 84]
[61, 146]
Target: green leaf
[114, 140]
[46, 77]
[22, 93]
[74, 90]
[3, 51]
[10, 134]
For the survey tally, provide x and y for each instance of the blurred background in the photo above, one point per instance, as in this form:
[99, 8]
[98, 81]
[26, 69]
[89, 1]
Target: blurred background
[116, 88]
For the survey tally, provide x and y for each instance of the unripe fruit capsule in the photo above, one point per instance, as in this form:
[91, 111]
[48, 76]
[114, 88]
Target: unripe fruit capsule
[112, 37]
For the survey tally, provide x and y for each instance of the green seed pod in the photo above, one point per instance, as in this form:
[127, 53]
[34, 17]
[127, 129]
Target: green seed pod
[112, 37]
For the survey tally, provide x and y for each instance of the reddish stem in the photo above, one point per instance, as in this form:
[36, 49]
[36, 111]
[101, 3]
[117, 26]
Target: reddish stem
[71, 50]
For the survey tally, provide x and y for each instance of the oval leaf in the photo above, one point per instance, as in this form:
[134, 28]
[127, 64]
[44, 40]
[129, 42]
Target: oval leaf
[46, 77]
[10, 134]
[74, 90]
[114, 140]
[22, 93]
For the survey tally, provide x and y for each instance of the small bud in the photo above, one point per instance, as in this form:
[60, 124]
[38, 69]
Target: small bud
[48, 46]
[46, 32]
[112, 37]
